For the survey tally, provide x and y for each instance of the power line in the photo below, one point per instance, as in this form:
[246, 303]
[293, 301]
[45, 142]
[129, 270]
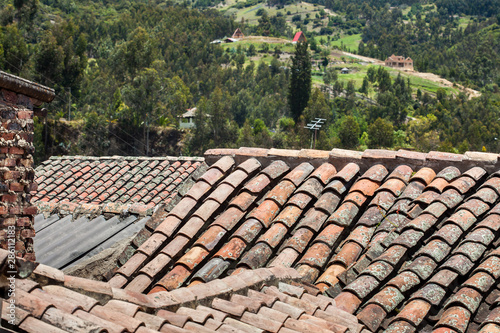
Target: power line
[65, 101]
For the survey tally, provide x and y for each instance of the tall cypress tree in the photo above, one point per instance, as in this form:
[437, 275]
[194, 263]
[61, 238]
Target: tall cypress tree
[300, 80]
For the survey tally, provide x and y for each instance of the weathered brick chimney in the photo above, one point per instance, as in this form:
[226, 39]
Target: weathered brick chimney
[19, 99]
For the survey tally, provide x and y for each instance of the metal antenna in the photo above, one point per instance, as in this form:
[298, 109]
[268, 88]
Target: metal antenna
[314, 125]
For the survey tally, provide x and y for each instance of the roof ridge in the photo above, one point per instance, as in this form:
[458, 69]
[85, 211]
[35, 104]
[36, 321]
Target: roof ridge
[365, 159]
[138, 158]
[78, 209]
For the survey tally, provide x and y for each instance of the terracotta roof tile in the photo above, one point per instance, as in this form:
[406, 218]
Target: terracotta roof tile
[313, 220]
[328, 202]
[455, 317]
[365, 186]
[438, 185]
[344, 215]
[281, 192]
[324, 173]
[379, 242]
[91, 179]
[413, 190]
[299, 240]
[192, 227]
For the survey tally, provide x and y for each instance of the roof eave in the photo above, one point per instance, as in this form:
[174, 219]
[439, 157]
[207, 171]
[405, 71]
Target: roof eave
[25, 87]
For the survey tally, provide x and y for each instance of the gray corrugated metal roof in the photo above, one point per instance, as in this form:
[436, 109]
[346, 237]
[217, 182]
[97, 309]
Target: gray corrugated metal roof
[61, 242]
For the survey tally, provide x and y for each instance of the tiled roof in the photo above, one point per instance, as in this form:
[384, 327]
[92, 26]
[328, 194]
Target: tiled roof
[147, 181]
[405, 241]
[86, 204]
[262, 300]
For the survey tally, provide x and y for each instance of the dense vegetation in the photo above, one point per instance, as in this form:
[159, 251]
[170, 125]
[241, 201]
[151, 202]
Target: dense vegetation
[125, 70]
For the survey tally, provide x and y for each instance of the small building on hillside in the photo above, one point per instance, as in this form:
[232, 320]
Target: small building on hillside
[399, 62]
[186, 120]
[344, 70]
[299, 37]
[230, 40]
[238, 34]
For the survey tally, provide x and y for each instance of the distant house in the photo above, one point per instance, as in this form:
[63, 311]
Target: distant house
[229, 40]
[399, 62]
[344, 70]
[299, 37]
[238, 34]
[186, 120]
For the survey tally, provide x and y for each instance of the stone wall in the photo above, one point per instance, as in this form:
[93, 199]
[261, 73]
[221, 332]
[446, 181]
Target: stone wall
[16, 173]
[18, 100]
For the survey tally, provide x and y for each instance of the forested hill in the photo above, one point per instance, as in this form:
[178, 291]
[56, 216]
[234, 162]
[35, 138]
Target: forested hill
[125, 70]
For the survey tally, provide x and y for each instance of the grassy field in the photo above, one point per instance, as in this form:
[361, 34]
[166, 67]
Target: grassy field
[286, 46]
[349, 41]
[358, 72]
[464, 21]
[249, 13]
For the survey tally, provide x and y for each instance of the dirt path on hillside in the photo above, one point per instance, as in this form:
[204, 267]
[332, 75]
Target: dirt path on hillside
[428, 76]
[264, 39]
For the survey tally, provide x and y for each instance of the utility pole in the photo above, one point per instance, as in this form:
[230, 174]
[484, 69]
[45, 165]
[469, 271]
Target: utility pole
[69, 105]
[314, 125]
[147, 135]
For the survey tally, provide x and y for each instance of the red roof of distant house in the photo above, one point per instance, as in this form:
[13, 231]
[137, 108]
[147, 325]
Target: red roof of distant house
[298, 36]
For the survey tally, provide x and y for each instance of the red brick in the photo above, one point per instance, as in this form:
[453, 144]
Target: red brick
[31, 210]
[24, 222]
[15, 210]
[16, 150]
[20, 246]
[28, 233]
[9, 198]
[26, 136]
[3, 210]
[33, 186]
[10, 162]
[16, 187]
[7, 136]
[9, 96]
[10, 221]
[25, 114]
[4, 150]
[11, 175]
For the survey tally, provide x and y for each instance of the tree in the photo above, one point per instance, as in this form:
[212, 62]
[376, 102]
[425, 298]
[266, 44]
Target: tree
[317, 107]
[349, 132]
[300, 81]
[15, 51]
[380, 134]
[330, 76]
[364, 87]
[144, 97]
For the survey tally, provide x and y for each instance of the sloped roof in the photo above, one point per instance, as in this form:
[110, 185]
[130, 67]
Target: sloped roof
[398, 58]
[191, 113]
[64, 241]
[390, 235]
[238, 34]
[270, 300]
[26, 87]
[87, 204]
[112, 179]
[298, 35]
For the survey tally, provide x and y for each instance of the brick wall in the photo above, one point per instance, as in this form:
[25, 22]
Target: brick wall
[17, 172]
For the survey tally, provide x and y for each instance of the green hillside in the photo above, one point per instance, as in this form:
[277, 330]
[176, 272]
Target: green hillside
[124, 71]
